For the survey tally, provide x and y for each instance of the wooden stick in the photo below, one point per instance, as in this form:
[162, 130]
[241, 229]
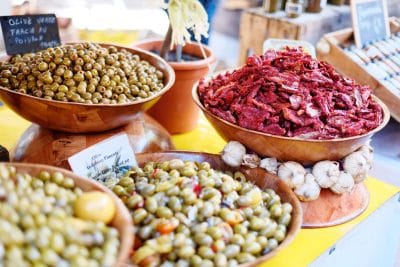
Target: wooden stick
[167, 43]
[178, 53]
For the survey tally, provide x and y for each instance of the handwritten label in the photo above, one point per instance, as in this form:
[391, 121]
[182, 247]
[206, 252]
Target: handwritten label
[106, 161]
[29, 33]
[370, 21]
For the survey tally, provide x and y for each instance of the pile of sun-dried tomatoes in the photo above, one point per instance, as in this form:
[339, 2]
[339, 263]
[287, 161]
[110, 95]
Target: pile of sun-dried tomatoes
[289, 93]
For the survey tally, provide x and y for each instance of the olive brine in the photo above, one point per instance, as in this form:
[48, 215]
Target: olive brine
[188, 214]
[83, 73]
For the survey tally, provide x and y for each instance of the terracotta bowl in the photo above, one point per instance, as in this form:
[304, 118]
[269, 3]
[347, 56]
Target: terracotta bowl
[288, 148]
[84, 118]
[122, 220]
[259, 176]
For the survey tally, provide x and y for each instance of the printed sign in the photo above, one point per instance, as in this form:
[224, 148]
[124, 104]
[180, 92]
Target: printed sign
[29, 33]
[370, 21]
[106, 161]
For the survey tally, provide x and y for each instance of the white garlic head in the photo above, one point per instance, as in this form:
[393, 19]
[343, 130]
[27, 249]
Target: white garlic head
[326, 173]
[233, 153]
[356, 165]
[344, 184]
[308, 191]
[367, 152]
[269, 164]
[292, 173]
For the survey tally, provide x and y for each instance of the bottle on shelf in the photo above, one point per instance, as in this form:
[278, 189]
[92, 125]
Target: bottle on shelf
[271, 6]
[315, 6]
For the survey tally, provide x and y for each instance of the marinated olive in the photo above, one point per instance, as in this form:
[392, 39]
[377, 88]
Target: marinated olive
[46, 221]
[205, 217]
[70, 65]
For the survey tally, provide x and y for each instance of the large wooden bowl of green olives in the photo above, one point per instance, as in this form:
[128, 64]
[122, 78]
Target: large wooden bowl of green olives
[52, 217]
[83, 87]
[191, 209]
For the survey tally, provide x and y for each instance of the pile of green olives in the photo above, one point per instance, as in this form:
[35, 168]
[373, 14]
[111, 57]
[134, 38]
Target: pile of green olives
[38, 226]
[83, 73]
[188, 214]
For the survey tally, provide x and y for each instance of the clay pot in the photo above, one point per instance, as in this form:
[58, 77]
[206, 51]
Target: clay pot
[176, 110]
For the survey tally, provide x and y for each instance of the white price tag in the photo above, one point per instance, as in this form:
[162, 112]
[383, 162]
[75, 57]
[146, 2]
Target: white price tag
[106, 161]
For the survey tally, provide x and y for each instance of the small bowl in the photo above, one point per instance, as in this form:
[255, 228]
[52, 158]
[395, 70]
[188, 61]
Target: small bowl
[290, 148]
[85, 118]
[122, 220]
[259, 176]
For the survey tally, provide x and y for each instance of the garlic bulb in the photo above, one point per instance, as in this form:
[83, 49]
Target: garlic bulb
[344, 184]
[356, 165]
[292, 173]
[326, 173]
[251, 160]
[233, 153]
[269, 164]
[308, 191]
[367, 152]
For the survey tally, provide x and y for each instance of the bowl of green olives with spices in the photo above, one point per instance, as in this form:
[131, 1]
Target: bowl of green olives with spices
[52, 217]
[190, 209]
[83, 87]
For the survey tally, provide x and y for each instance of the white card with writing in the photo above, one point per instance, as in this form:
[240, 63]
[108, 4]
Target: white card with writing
[106, 161]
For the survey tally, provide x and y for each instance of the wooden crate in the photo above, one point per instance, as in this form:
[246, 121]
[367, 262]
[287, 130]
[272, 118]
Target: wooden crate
[256, 26]
[329, 49]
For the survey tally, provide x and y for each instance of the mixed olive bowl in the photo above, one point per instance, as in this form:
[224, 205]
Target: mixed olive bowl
[258, 176]
[290, 148]
[122, 220]
[74, 117]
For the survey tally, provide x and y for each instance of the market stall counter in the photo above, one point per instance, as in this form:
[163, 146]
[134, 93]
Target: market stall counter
[308, 245]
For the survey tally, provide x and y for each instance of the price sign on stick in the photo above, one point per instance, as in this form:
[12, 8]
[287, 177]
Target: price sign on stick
[370, 21]
[29, 33]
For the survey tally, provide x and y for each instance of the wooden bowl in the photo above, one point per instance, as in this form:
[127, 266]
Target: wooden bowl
[290, 148]
[44, 146]
[259, 176]
[85, 118]
[122, 220]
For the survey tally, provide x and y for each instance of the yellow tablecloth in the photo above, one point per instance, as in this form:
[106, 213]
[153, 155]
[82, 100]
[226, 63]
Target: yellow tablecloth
[306, 247]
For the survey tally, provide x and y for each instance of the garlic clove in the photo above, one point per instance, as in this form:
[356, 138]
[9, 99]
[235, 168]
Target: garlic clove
[233, 153]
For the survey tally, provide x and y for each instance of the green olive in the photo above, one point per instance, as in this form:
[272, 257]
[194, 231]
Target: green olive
[205, 252]
[164, 212]
[245, 257]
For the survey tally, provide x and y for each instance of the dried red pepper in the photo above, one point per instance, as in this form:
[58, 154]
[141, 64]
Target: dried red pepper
[291, 94]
